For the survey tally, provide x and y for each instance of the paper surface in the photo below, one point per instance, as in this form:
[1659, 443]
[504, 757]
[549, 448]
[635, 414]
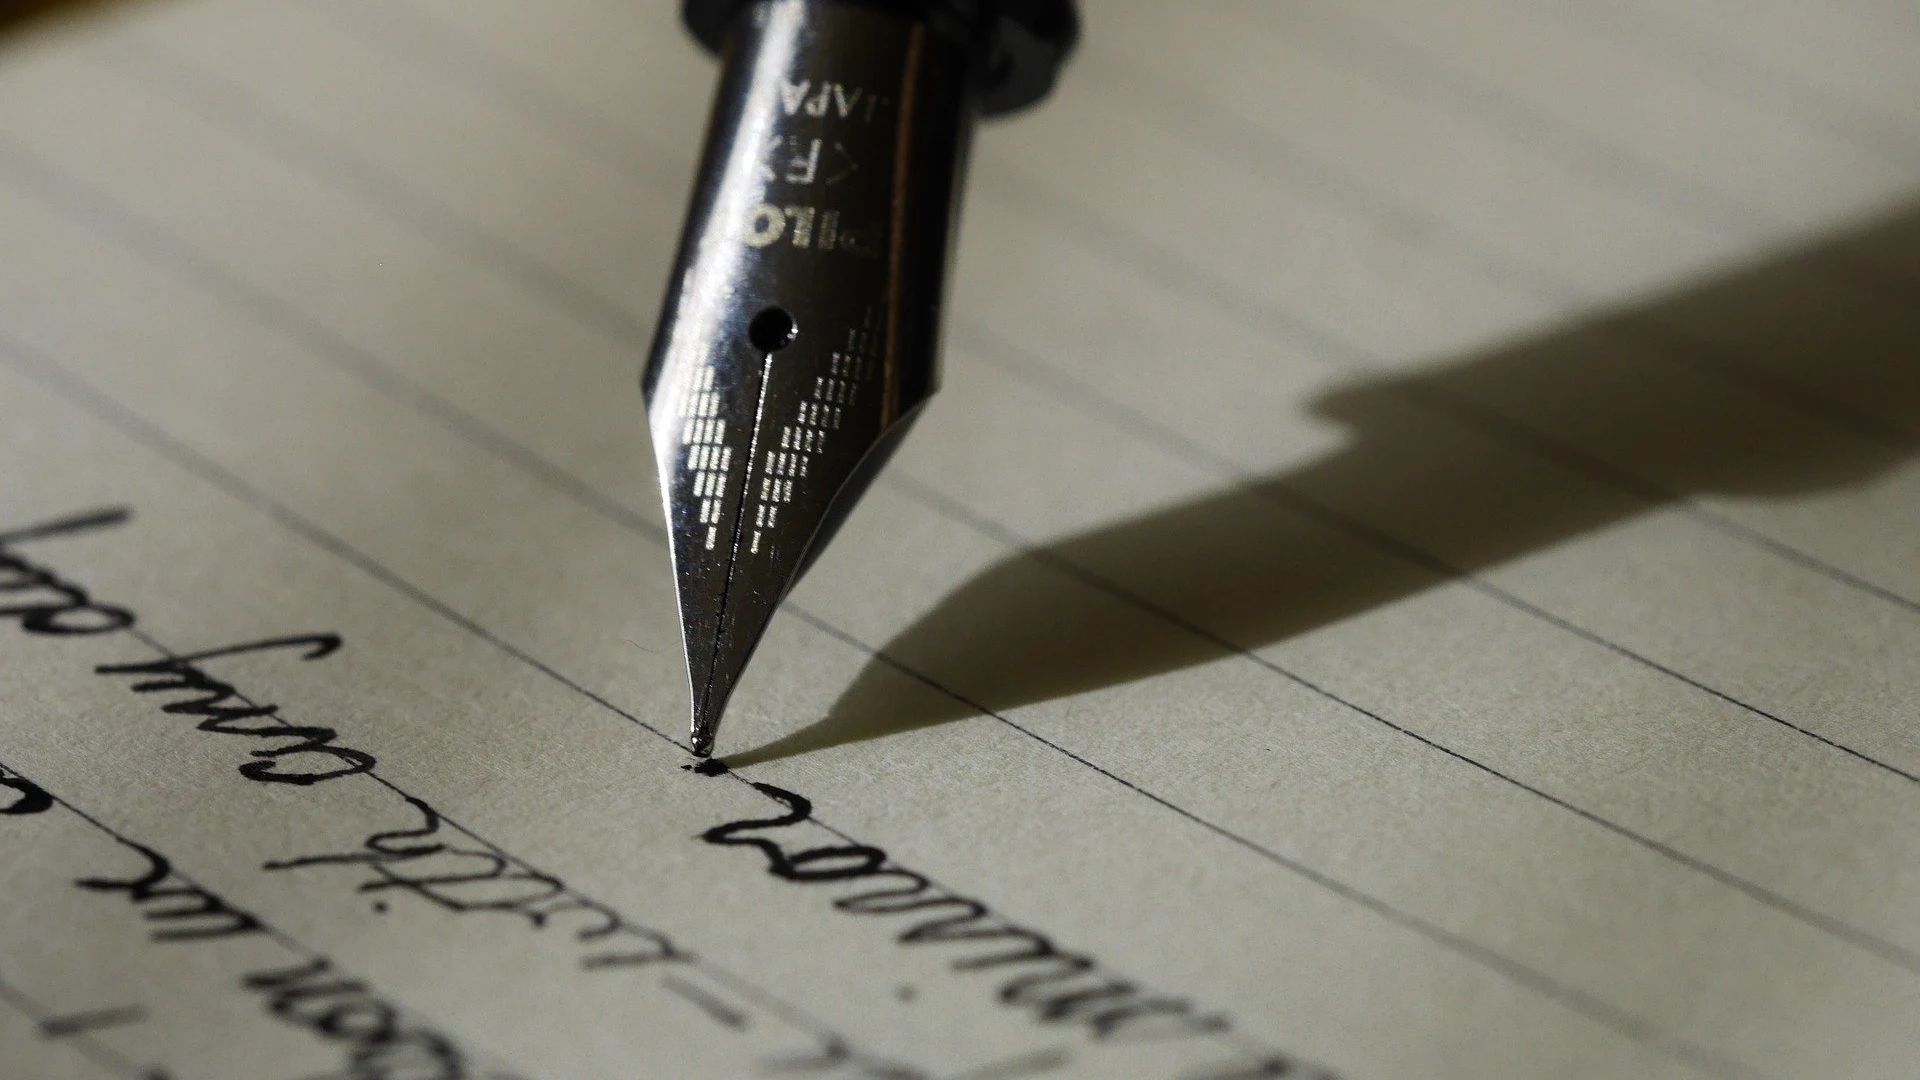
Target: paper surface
[1414, 570]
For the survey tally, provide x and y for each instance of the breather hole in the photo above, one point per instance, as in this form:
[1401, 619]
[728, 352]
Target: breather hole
[772, 330]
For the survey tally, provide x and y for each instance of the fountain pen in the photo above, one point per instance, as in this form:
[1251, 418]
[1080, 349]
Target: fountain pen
[800, 331]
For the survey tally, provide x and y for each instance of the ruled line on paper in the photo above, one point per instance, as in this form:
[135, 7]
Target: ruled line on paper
[95, 1053]
[1346, 38]
[1418, 72]
[188, 899]
[1170, 271]
[471, 242]
[1036, 370]
[28, 361]
[1580, 462]
[1571, 996]
[158, 441]
[1324, 345]
[960, 519]
[1708, 61]
[596, 138]
[1192, 118]
[150, 64]
[411, 36]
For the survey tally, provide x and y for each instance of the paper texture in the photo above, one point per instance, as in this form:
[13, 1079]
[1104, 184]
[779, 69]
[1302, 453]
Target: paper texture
[1414, 570]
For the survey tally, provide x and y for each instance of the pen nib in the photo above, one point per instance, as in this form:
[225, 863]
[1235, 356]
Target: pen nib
[798, 336]
[706, 721]
[764, 444]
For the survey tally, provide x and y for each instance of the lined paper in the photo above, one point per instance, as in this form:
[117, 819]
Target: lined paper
[1412, 570]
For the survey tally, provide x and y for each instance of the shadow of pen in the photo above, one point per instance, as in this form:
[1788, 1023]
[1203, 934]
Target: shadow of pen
[1430, 499]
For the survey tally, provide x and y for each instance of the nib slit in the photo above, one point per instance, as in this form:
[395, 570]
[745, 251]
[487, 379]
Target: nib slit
[706, 715]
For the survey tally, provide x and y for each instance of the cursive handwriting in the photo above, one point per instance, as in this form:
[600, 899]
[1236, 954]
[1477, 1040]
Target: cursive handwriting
[45, 604]
[443, 864]
[23, 795]
[465, 878]
[301, 753]
[164, 896]
[380, 1043]
[1057, 987]
[459, 877]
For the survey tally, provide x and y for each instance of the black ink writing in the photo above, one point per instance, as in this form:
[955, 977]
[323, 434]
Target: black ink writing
[467, 878]
[1058, 987]
[834, 1055]
[190, 912]
[41, 601]
[380, 1043]
[301, 754]
[63, 1027]
[20, 796]
[43, 604]
[456, 876]
[1266, 1067]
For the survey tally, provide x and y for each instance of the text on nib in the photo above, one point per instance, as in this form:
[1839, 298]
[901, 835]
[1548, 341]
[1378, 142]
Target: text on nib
[799, 335]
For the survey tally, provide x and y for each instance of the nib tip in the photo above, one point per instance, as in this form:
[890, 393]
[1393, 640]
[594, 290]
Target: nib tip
[701, 742]
[708, 708]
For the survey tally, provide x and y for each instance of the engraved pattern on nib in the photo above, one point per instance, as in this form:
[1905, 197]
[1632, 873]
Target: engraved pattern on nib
[800, 326]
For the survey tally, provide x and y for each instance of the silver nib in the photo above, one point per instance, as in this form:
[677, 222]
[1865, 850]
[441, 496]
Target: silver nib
[798, 337]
